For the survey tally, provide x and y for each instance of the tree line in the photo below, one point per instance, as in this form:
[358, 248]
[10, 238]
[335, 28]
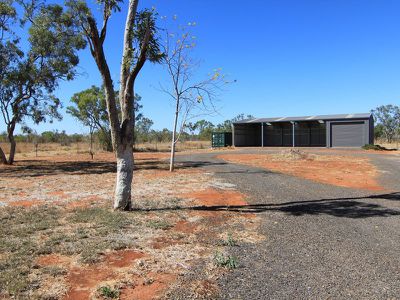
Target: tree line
[200, 130]
[89, 108]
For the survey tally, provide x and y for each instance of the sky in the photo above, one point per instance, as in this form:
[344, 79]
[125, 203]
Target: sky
[288, 58]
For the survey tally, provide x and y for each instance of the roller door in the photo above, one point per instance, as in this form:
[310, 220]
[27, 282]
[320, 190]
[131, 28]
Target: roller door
[349, 134]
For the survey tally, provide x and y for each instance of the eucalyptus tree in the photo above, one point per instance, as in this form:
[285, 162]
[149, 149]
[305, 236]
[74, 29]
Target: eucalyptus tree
[389, 117]
[31, 68]
[89, 108]
[140, 44]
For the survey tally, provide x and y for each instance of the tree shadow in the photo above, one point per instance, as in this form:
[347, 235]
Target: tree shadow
[337, 207]
[38, 168]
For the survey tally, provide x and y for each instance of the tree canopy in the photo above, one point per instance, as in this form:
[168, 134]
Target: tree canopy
[90, 108]
[31, 71]
[388, 116]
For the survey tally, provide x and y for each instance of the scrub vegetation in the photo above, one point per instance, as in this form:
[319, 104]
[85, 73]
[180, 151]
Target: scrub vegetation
[59, 238]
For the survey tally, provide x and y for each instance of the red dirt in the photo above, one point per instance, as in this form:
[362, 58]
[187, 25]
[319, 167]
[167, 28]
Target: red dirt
[84, 202]
[214, 197]
[122, 259]
[83, 279]
[155, 174]
[60, 194]
[164, 242]
[185, 227]
[53, 260]
[147, 290]
[353, 151]
[26, 203]
[344, 171]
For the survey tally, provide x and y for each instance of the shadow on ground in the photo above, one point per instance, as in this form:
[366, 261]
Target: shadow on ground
[37, 168]
[338, 207]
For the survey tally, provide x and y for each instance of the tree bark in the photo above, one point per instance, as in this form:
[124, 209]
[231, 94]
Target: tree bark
[91, 143]
[3, 157]
[121, 130]
[123, 188]
[172, 159]
[13, 145]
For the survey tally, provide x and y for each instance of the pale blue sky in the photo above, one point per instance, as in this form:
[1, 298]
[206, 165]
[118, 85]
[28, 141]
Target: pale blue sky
[289, 57]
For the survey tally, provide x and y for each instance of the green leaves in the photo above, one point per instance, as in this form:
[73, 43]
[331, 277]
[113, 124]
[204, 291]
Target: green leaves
[28, 80]
[146, 21]
[388, 116]
[90, 107]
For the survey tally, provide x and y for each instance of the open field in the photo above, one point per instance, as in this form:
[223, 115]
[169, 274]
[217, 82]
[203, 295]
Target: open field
[206, 231]
[60, 240]
[46, 149]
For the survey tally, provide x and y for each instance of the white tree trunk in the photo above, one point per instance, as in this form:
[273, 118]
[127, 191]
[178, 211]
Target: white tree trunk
[173, 143]
[123, 188]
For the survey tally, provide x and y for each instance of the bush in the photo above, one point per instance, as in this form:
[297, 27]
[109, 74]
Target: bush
[373, 147]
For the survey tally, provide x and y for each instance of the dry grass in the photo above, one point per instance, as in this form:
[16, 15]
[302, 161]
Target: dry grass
[60, 240]
[49, 149]
[393, 145]
[180, 146]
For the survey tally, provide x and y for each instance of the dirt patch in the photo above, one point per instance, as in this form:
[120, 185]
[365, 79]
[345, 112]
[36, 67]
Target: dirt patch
[26, 203]
[53, 260]
[358, 151]
[122, 259]
[343, 171]
[216, 197]
[164, 242]
[150, 287]
[83, 280]
[156, 174]
[185, 226]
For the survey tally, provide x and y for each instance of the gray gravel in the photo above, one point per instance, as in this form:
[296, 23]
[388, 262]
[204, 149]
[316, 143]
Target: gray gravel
[321, 241]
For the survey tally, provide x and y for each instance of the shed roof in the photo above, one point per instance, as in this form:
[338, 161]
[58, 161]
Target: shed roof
[307, 118]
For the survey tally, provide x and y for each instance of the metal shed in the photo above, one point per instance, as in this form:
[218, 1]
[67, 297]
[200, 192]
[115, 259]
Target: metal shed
[345, 130]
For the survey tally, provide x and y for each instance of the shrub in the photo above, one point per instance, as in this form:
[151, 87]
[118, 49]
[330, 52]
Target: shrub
[373, 147]
[108, 293]
[229, 262]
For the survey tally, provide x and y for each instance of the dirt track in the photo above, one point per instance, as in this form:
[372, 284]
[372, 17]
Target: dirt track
[321, 241]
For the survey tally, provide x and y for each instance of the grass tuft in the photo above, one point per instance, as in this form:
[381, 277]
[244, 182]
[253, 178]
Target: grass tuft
[230, 241]
[108, 293]
[159, 224]
[228, 261]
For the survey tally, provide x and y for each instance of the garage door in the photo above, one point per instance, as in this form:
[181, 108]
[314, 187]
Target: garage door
[347, 134]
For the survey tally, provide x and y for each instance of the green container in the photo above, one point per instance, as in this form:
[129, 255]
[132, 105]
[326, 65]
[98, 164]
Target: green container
[221, 139]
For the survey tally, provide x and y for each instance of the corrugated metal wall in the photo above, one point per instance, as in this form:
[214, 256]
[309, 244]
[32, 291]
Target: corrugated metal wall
[348, 134]
[344, 133]
[306, 134]
[333, 133]
[247, 135]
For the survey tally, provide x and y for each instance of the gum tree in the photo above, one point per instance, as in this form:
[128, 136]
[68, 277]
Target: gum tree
[30, 71]
[89, 108]
[140, 44]
[389, 117]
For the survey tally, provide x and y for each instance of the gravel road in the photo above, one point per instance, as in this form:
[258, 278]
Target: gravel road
[321, 241]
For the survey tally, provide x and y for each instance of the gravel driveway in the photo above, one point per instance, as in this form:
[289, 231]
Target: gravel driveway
[321, 241]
